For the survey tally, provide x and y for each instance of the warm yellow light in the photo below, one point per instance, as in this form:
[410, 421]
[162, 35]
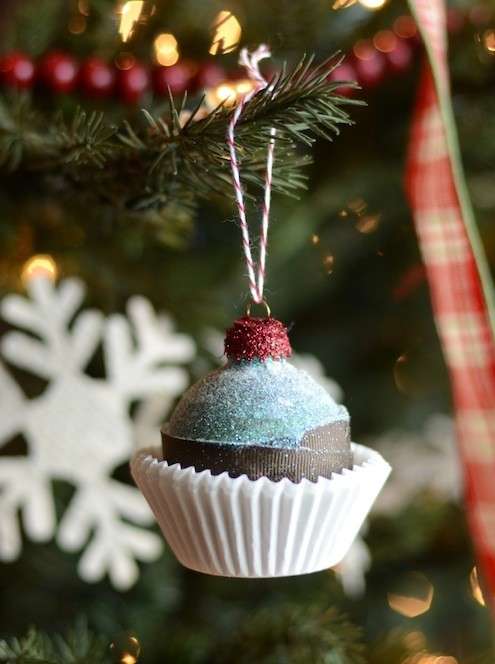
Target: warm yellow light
[125, 60]
[428, 658]
[343, 4]
[489, 41]
[244, 86]
[229, 92]
[127, 658]
[130, 14]
[328, 263]
[315, 239]
[166, 51]
[385, 41]
[77, 24]
[227, 33]
[416, 597]
[415, 640]
[475, 587]
[368, 223]
[41, 265]
[372, 4]
[225, 92]
[404, 26]
[364, 49]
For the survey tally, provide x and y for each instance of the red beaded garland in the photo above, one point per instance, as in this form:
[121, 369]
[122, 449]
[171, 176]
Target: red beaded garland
[252, 338]
[209, 74]
[133, 83]
[58, 71]
[178, 78]
[344, 72]
[401, 57]
[97, 78]
[370, 71]
[17, 70]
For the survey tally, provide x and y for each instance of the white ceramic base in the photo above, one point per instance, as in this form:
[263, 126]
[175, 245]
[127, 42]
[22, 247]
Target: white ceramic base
[238, 527]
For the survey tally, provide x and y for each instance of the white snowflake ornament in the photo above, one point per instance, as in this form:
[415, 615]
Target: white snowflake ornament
[80, 428]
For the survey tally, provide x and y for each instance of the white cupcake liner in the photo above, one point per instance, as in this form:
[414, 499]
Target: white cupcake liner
[238, 527]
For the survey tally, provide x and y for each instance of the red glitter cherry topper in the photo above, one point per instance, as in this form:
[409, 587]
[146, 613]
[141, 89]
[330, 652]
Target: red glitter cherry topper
[252, 338]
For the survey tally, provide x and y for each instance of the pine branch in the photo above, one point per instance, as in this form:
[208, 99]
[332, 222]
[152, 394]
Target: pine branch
[79, 647]
[295, 634]
[166, 159]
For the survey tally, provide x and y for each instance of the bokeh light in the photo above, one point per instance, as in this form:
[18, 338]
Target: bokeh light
[475, 587]
[364, 49]
[413, 595]
[228, 92]
[415, 640]
[83, 7]
[40, 265]
[125, 649]
[385, 41]
[227, 33]
[328, 263]
[129, 16]
[343, 4]
[488, 41]
[368, 224]
[405, 27]
[125, 60]
[77, 24]
[429, 658]
[372, 4]
[166, 50]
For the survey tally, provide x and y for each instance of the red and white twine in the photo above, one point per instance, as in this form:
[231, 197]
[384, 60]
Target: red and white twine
[256, 281]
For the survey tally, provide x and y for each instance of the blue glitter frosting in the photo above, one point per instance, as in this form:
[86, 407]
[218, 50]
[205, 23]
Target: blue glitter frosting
[269, 403]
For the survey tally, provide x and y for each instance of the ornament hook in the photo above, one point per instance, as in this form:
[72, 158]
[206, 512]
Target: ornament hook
[262, 303]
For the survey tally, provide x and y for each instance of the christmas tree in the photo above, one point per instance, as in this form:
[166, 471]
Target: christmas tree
[116, 175]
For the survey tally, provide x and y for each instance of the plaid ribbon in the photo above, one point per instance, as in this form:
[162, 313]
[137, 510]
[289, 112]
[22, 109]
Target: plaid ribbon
[459, 280]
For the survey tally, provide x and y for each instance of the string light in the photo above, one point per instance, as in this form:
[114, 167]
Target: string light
[125, 60]
[227, 33]
[414, 598]
[127, 658]
[414, 640]
[328, 263]
[130, 14]
[83, 7]
[125, 649]
[40, 265]
[343, 4]
[385, 41]
[429, 658]
[401, 374]
[372, 4]
[475, 587]
[228, 92]
[368, 224]
[166, 51]
[77, 24]
[405, 27]
[364, 49]
[489, 41]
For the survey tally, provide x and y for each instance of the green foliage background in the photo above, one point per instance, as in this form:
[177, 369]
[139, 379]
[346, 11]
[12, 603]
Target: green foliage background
[358, 318]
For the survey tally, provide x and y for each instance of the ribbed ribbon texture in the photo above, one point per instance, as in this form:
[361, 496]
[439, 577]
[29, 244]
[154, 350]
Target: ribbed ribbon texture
[460, 290]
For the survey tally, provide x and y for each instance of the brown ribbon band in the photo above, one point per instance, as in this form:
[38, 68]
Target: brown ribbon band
[323, 451]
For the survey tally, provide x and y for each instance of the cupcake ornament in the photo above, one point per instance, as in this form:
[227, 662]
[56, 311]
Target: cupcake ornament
[257, 475]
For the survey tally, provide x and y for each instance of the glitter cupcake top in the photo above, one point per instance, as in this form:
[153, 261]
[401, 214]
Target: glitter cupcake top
[268, 403]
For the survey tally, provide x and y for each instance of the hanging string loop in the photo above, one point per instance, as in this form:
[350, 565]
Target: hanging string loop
[255, 271]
